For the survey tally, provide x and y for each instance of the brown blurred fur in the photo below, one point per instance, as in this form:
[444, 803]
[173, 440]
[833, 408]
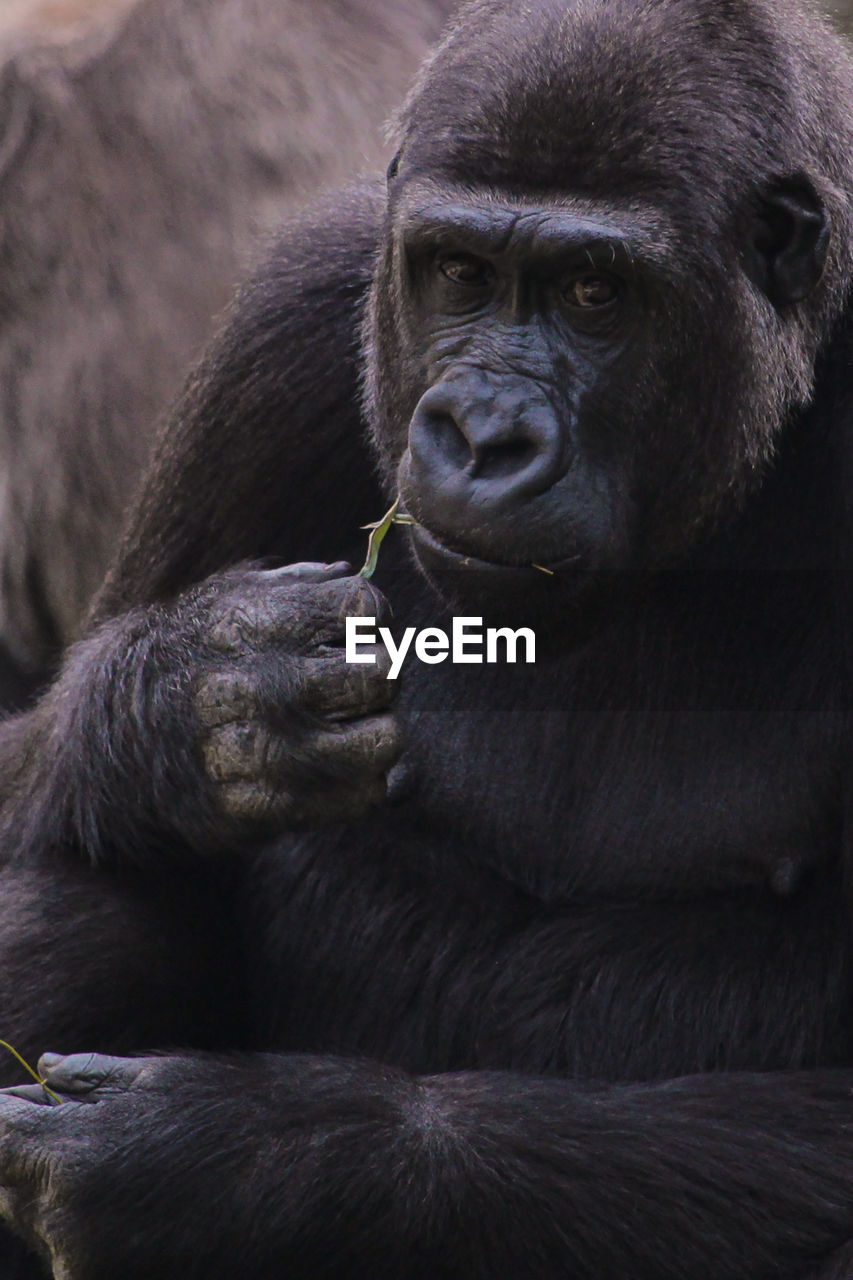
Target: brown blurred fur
[56, 15]
[842, 12]
[138, 161]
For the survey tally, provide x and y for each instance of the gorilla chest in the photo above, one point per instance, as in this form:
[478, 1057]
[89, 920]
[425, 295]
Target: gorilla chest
[652, 775]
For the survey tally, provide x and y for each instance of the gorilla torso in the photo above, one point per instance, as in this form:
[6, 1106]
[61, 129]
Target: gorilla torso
[667, 838]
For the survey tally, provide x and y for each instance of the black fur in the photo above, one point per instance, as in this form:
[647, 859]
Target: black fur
[574, 1001]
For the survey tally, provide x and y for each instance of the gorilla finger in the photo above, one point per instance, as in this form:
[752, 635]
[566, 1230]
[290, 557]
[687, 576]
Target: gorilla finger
[256, 607]
[249, 751]
[305, 571]
[360, 598]
[369, 745]
[31, 1093]
[331, 604]
[81, 1073]
[264, 611]
[331, 686]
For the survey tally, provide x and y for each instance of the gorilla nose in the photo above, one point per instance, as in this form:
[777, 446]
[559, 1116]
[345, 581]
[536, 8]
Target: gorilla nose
[498, 446]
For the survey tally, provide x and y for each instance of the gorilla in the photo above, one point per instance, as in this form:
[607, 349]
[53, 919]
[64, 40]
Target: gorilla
[533, 971]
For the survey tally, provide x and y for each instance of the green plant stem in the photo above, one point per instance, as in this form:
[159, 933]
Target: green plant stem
[14, 1052]
[377, 537]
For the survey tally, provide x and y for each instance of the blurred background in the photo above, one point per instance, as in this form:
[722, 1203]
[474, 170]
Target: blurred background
[842, 12]
[147, 149]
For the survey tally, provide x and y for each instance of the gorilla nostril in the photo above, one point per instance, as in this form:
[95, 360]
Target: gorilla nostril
[493, 461]
[448, 440]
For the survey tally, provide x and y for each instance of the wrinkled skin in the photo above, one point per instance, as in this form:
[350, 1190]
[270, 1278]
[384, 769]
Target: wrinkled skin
[291, 734]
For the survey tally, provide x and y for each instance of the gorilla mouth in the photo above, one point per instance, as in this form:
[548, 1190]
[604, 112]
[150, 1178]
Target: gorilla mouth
[435, 553]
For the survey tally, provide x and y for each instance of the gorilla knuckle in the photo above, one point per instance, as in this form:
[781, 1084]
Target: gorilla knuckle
[370, 744]
[333, 687]
[252, 804]
[236, 751]
[223, 697]
[238, 626]
[296, 615]
[359, 598]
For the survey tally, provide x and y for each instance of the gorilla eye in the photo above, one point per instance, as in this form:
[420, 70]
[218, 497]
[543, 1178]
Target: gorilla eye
[591, 291]
[465, 269]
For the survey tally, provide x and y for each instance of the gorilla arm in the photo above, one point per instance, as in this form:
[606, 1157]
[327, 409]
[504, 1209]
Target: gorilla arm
[314, 1166]
[311, 1165]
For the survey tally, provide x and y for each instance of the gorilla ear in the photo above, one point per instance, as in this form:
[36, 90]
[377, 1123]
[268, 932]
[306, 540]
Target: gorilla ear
[789, 240]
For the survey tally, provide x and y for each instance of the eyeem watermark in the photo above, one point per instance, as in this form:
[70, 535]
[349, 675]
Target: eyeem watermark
[466, 643]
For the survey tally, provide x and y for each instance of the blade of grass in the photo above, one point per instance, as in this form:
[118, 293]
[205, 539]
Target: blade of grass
[14, 1052]
[377, 537]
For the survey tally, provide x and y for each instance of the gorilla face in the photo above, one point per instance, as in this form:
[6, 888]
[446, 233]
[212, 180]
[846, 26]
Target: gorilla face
[580, 361]
[530, 328]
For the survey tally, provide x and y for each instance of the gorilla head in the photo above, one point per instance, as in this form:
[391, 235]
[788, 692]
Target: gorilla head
[614, 251]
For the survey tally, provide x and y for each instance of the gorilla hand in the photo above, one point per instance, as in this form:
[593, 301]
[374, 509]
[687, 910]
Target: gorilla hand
[292, 734]
[52, 1157]
[226, 715]
[205, 1165]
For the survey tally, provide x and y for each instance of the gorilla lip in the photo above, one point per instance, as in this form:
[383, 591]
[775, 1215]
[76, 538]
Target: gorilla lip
[432, 549]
